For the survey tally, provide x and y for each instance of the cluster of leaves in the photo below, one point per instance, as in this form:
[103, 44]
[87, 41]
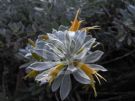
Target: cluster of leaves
[116, 21]
[23, 19]
[20, 20]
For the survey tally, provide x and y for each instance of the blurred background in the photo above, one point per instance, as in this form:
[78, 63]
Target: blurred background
[23, 19]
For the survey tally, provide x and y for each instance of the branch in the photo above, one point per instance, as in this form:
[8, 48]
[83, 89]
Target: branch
[118, 58]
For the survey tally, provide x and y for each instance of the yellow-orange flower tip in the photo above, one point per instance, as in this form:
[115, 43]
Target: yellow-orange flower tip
[44, 37]
[31, 42]
[75, 25]
[54, 72]
[31, 74]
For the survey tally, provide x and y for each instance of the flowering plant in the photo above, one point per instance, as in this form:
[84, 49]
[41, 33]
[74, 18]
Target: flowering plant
[65, 52]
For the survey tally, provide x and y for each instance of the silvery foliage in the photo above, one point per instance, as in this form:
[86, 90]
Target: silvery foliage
[65, 47]
[26, 52]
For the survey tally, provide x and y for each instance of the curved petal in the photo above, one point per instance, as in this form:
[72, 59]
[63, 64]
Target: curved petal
[81, 77]
[56, 83]
[88, 37]
[71, 34]
[93, 56]
[46, 54]
[98, 67]
[65, 85]
[72, 46]
[56, 50]
[61, 35]
[84, 49]
[67, 41]
[57, 36]
[39, 66]
[71, 68]
[52, 36]
[62, 28]
[89, 43]
[82, 54]
[28, 55]
[42, 77]
[54, 44]
[40, 44]
[79, 38]
[58, 44]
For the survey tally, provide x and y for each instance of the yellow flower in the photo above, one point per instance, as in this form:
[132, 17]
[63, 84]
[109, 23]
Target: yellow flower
[31, 74]
[54, 72]
[90, 72]
[31, 42]
[75, 25]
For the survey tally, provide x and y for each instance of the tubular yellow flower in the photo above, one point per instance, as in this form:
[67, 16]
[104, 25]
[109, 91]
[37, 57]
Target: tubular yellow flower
[44, 37]
[93, 84]
[31, 42]
[54, 72]
[76, 23]
[90, 72]
[31, 74]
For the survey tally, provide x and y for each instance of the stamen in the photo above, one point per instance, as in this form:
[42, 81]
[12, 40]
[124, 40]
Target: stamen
[98, 79]
[101, 77]
[95, 92]
[93, 85]
[96, 45]
[90, 28]
[77, 14]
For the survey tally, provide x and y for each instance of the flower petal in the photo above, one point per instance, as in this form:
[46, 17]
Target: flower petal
[81, 77]
[40, 44]
[62, 28]
[46, 54]
[82, 54]
[89, 43]
[56, 83]
[88, 37]
[93, 56]
[28, 55]
[56, 50]
[79, 38]
[71, 68]
[58, 44]
[67, 41]
[72, 46]
[42, 77]
[57, 36]
[65, 85]
[39, 66]
[98, 67]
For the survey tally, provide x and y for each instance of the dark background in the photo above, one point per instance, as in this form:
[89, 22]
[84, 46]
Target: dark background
[23, 19]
